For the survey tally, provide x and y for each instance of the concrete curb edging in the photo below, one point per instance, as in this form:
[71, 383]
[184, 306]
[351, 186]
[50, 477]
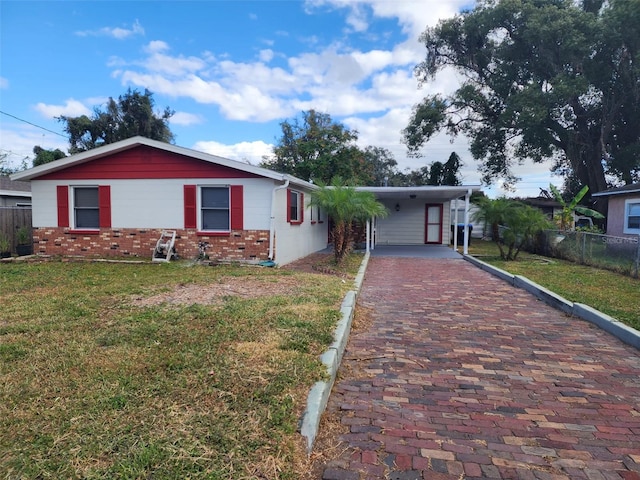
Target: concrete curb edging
[628, 335]
[331, 358]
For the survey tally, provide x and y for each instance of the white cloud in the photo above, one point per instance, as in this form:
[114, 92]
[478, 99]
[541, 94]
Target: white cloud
[186, 119]
[266, 55]
[249, 152]
[114, 32]
[22, 138]
[4, 83]
[71, 108]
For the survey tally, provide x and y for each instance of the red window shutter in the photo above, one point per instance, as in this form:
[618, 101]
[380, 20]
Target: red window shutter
[62, 194]
[301, 208]
[190, 207]
[104, 205]
[237, 207]
[289, 205]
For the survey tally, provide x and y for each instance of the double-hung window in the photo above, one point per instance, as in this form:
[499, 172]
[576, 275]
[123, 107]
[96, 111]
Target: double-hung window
[86, 208]
[215, 212]
[632, 216]
[295, 207]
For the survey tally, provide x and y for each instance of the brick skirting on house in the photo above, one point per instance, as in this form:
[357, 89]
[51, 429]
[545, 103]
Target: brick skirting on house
[245, 245]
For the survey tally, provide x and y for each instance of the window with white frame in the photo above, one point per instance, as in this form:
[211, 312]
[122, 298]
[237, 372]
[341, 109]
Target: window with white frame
[632, 216]
[215, 208]
[86, 209]
[295, 207]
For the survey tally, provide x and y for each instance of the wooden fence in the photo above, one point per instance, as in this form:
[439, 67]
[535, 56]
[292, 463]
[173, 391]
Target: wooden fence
[11, 219]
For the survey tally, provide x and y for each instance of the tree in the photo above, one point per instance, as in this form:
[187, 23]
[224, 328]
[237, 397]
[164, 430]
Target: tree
[542, 80]
[346, 205]
[43, 156]
[512, 223]
[131, 115]
[565, 218]
[445, 173]
[315, 148]
[381, 166]
[6, 169]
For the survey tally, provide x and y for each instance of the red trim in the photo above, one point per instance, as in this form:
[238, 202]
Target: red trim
[84, 232]
[190, 207]
[300, 197]
[62, 196]
[145, 162]
[104, 205]
[213, 234]
[237, 207]
[427, 223]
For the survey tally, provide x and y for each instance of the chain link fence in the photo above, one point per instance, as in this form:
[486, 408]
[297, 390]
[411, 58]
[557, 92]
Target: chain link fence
[620, 254]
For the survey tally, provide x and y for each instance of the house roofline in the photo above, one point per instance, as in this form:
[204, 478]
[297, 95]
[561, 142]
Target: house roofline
[15, 193]
[110, 149]
[607, 193]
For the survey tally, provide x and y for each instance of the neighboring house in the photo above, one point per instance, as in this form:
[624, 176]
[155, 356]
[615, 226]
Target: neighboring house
[623, 213]
[14, 193]
[549, 206]
[116, 200]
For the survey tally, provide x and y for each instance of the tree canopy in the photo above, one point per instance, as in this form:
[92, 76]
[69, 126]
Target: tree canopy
[43, 155]
[132, 114]
[553, 79]
[316, 148]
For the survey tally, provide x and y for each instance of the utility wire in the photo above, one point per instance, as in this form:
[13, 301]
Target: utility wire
[33, 124]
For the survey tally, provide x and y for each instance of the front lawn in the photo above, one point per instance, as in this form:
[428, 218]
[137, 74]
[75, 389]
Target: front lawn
[612, 293]
[113, 370]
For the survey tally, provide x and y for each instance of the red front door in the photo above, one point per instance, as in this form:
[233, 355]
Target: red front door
[433, 224]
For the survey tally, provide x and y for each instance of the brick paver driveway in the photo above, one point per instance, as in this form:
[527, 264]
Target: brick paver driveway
[462, 376]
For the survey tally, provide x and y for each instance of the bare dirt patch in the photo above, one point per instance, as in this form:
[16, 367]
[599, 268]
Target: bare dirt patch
[214, 293]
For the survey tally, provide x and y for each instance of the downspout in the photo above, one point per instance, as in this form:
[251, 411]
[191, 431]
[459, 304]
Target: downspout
[272, 221]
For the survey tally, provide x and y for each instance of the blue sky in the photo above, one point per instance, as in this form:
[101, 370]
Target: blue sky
[231, 70]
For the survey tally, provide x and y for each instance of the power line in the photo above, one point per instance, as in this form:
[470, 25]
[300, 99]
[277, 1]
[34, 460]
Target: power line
[33, 124]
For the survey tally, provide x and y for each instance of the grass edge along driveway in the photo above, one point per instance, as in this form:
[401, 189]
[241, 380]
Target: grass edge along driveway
[612, 293]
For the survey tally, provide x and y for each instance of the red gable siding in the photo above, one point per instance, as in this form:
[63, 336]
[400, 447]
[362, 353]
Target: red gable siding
[145, 162]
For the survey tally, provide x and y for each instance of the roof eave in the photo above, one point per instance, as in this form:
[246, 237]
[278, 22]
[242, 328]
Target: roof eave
[83, 157]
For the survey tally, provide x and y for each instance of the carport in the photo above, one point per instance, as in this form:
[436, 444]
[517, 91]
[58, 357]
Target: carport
[419, 216]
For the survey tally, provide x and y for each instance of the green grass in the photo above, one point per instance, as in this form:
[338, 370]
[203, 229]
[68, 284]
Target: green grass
[97, 385]
[612, 293]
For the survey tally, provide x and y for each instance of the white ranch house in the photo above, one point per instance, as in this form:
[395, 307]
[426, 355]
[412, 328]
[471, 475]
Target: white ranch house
[116, 200]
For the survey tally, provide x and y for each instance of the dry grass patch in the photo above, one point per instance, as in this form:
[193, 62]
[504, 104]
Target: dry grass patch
[104, 377]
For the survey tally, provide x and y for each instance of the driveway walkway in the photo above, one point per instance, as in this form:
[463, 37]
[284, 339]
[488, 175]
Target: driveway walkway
[461, 376]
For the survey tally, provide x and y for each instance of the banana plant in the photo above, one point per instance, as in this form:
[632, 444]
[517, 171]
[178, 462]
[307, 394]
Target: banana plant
[565, 218]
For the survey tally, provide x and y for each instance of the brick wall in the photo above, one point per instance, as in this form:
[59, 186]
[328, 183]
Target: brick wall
[239, 245]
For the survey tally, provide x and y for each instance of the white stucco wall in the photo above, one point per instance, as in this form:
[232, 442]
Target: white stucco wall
[157, 203]
[296, 241]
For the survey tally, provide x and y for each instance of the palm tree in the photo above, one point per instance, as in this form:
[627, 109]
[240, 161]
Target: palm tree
[520, 224]
[346, 206]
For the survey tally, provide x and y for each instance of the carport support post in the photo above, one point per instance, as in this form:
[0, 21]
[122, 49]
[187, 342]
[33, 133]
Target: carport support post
[368, 235]
[455, 226]
[465, 251]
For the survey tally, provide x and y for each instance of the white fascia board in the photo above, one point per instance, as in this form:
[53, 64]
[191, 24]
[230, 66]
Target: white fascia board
[15, 193]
